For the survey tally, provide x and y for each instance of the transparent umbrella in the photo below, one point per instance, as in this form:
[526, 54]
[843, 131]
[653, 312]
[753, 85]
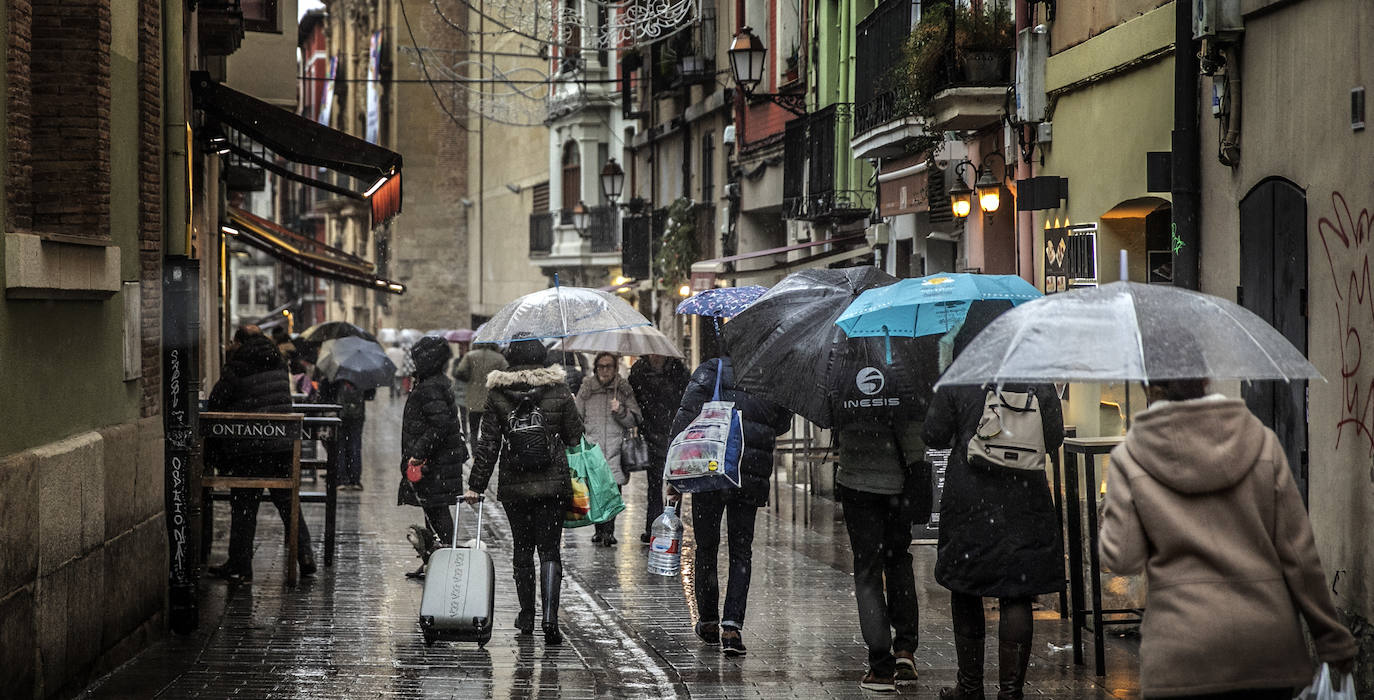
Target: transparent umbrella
[640, 340]
[558, 312]
[1126, 331]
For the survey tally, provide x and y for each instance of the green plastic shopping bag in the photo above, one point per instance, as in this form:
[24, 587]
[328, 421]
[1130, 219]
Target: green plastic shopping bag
[591, 473]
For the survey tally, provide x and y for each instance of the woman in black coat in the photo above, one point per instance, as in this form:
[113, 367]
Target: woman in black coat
[254, 381]
[658, 383]
[432, 445]
[999, 534]
[763, 422]
[534, 496]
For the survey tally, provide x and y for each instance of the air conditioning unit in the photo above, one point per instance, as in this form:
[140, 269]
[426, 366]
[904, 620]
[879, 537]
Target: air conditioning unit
[1216, 18]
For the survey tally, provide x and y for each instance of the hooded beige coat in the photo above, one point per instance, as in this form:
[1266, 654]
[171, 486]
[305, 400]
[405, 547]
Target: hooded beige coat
[1200, 497]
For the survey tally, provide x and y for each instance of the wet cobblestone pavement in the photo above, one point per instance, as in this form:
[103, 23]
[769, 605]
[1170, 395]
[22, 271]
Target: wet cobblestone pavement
[351, 631]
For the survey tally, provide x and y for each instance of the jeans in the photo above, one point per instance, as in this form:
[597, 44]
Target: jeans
[707, 510]
[243, 526]
[350, 458]
[654, 476]
[884, 584]
[535, 523]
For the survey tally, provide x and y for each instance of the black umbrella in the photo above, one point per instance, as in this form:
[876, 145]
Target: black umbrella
[361, 362]
[787, 348]
[330, 330]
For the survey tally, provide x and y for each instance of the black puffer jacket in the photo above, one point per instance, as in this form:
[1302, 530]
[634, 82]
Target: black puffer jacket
[764, 421]
[659, 393]
[999, 533]
[253, 381]
[430, 430]
[507, 387]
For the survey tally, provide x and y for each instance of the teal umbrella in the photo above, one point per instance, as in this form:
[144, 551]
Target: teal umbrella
[930, 305]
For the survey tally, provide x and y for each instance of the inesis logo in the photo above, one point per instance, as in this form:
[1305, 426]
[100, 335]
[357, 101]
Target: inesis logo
[870, 381]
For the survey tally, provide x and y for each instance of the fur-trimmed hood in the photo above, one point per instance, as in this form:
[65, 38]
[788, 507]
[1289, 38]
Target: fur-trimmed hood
[527, 376]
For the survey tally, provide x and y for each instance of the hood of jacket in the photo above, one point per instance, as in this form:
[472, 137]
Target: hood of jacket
[430, 354]
[257, 354]
[522, 376]
[1197, 446]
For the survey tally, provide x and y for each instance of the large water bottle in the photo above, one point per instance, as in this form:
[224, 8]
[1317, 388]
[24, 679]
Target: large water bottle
[665, 549]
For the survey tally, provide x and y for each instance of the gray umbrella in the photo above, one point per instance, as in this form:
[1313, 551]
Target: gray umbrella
[1126, 331]
[361, 362]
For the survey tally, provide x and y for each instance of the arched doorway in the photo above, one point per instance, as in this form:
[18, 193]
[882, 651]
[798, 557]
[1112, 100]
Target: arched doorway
[1273, 284]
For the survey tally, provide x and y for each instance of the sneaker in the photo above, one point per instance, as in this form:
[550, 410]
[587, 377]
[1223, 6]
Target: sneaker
[732, 642]
[906, 666]
[229, 574]
[708, 632]
[878, 684]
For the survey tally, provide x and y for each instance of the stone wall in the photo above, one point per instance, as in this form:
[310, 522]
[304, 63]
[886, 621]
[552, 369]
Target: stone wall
[83, 557]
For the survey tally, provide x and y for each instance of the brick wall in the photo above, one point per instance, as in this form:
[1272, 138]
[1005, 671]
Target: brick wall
[58, 110]
[150, 200]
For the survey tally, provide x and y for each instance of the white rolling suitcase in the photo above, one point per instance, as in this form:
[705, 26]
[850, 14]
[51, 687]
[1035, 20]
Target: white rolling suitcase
[460, 591]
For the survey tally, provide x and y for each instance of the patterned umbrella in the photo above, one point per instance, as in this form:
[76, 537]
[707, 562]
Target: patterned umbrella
[724, 302]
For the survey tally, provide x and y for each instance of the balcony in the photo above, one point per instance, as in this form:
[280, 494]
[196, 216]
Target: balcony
[556, 242]
[816, 145]
[220, 26]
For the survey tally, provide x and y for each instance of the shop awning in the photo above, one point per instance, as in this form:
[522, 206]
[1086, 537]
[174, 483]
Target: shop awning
[375, 170]
[306, 253]
[717, 265]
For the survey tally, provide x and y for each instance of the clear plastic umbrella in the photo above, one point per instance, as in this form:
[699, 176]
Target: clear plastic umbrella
[640, 340]
[558, 312]
[1126, 331]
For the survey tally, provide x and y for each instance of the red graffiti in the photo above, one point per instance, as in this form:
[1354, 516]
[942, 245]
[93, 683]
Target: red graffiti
[1346, 238]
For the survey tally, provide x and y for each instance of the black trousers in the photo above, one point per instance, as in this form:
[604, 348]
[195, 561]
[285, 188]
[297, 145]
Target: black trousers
[440, 522]
[654, 478]
[535, 523]
[474, 427]
[708, 508]
[243, 526]
[884, 584]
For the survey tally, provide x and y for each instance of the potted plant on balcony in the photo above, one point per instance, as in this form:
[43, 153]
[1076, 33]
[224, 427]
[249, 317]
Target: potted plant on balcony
[988, 40]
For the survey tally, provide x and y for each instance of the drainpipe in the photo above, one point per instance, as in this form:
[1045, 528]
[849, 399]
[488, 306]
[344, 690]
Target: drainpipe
[1186, 187]
[1025, 220]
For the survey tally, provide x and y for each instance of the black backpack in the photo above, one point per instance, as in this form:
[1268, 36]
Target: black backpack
[529, 440]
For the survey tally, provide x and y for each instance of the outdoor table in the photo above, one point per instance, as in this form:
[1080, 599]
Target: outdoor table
[256, 426]
[1085, 451]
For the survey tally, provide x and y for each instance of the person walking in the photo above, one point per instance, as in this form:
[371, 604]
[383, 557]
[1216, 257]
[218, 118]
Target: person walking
[874, 460]
[254, 380]
[353, 416]
[533, 492]
[398, 357]
[609, 410]
[473, 369]
[999, 533]
[658, 383]
[763, 422]
[1201, 498]
[432, 446]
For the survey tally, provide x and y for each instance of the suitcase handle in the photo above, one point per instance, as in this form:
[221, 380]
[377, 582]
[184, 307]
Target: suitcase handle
[459, 514]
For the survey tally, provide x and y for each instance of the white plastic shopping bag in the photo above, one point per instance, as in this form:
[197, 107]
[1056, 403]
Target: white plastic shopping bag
[1321, 688]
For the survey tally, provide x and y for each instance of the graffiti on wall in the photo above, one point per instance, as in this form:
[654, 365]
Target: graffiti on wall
[1346, 237]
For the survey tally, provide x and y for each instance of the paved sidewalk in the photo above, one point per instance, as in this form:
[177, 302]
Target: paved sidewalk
[351, 632]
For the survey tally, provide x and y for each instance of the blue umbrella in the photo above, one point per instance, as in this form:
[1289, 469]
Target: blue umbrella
[928, 305]
[724, 302]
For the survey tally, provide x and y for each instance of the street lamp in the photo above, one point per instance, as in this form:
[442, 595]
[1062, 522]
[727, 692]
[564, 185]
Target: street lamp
[989, 186]
[581, 219]
[961, 195]
[612, 180]
[747, 54]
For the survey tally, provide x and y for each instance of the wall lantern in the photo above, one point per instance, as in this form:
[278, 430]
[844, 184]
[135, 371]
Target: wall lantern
[960, 194]
[747, 54]
[581, 219]
[989, 186]
[612, 180]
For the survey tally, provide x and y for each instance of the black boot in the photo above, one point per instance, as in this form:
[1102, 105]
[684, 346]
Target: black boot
[524, 590]
[1012, 659]
[970, 677]
[551, 580]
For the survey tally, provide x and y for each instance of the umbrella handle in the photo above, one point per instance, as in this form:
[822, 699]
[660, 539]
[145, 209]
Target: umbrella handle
[887, 343]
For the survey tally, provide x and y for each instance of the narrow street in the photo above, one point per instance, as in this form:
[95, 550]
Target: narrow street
[351, 631]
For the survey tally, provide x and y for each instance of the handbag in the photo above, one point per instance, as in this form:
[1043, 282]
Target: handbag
[1321, 688]
[706, 456]
[603, 495]
[634, 452]
[1009, 433]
